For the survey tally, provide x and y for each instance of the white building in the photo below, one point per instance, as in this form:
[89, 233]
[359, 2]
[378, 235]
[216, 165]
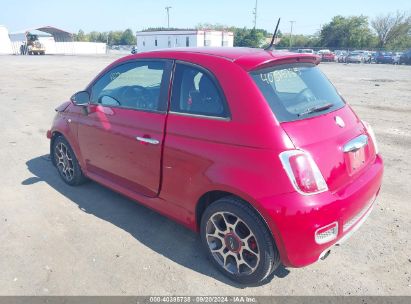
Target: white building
[147, 41]
[5, 44]
[56, 41]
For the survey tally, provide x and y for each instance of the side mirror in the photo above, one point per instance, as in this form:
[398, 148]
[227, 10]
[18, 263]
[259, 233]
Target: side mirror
[81, 98]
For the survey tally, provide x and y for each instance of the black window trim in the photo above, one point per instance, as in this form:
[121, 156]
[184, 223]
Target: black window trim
[164, 89]
[226, 117]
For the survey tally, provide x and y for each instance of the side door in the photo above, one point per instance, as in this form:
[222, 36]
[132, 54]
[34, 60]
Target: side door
[195, 139]
[121, 136]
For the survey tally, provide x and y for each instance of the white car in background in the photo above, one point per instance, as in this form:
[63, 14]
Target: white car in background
[306, 51]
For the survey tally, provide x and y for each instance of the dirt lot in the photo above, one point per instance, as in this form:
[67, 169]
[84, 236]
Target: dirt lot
[89, 240]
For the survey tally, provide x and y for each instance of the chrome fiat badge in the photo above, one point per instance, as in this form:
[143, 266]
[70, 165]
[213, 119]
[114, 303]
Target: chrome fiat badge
[339, 121]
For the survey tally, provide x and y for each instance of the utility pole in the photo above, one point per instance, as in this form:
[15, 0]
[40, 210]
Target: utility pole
[255, 14]
[291, 32]
[168, 16]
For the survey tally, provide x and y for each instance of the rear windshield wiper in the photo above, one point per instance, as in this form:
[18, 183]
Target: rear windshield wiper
[316, 109]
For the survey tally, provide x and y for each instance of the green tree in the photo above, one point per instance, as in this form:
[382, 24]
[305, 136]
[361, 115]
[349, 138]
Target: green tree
[239, 36]
[114, 37]
[254, 39]
[393, 29]
[299, 41]
[128, 37]
[93, 36]
[249, 37]
[103, 37]
[351, 32]
[80, 36]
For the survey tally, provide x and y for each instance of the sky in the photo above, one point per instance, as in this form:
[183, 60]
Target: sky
[102, 15]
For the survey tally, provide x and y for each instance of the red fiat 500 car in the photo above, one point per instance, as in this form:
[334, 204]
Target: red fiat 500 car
[253, 149]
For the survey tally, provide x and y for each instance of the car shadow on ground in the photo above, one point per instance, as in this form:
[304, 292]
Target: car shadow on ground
[155, 231]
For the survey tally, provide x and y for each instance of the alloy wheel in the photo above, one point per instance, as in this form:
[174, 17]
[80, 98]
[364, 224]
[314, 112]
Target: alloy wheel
[64, 161]
[232, 243]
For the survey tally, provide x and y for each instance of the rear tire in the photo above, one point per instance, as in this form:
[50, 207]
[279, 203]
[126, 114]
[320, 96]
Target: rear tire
[238, 242]
[66, 162]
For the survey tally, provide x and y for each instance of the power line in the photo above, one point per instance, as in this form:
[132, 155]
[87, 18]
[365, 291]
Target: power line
[168, 16]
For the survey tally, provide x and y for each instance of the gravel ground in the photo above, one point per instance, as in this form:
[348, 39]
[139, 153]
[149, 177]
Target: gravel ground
[57, 240]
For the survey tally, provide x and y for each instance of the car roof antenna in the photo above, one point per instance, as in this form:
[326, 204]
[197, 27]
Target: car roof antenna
[272, 44]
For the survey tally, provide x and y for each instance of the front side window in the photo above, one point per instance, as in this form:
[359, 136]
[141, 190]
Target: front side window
[135, 85]
[297, 91]
[195, 92]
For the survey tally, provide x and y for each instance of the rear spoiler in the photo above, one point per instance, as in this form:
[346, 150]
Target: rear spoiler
[314, 59]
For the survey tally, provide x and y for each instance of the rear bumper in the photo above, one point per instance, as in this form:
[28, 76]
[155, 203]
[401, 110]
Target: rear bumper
[294, 218]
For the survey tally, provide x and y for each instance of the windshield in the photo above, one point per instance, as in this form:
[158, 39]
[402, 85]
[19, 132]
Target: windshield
[297, 91]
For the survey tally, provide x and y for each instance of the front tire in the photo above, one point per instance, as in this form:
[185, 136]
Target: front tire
[238, 242]
[66, 162]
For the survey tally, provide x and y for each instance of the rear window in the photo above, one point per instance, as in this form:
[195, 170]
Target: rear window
[297, 91]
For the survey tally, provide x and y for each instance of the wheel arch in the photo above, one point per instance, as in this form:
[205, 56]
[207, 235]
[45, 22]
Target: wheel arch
[54, 136]
[57, 133]
[212, 196]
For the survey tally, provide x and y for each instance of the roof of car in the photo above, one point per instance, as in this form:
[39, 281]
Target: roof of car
[248, 58]
[231, 53]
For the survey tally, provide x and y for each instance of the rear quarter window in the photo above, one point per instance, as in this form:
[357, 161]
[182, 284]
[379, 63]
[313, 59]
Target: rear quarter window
[196, 92]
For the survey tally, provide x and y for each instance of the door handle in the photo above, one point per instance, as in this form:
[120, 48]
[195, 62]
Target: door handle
[148, 140]
[356, 144]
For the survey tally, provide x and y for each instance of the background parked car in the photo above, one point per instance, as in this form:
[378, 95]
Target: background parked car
[374, 57]
[340, 55]
[405, 58]
[367, 56]
[326, 55]
[306, 51]
[384, 57]
[354, 57]
[396, 57]
[329, 57]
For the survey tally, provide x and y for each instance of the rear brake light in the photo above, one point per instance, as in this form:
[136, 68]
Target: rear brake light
[370, 132]
[303, 172]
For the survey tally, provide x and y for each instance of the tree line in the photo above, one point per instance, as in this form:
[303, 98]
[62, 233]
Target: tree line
[389, 31]
[126, 37]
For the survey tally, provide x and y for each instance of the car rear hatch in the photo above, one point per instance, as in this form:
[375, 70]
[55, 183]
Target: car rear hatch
[337, 142]
[317, 120]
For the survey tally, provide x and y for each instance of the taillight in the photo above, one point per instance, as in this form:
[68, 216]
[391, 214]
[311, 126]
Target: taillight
[370, 132]
[303, 172]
